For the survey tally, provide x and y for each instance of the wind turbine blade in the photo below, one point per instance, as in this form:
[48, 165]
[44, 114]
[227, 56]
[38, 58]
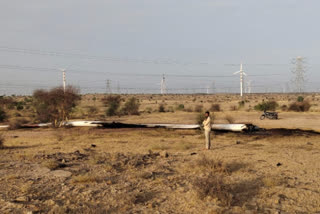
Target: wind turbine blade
[236, 72]
[245, 74]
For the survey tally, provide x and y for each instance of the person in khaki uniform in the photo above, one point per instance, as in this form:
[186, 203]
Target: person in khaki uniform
[207, 129]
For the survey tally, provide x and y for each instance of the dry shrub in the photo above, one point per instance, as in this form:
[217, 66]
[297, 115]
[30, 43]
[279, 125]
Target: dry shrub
[233, 108]
[3, 115]
[17, 123]
[300, 106]
[271, 182]
[85, 178]
[51, 164]
[215, 107]
[112, 102]
[230, 119]
[2, 139]
[161, 108]
[212, 165]
[266, 106]
[131, 107]
[200, 118]
[214, 186]
[198, 108]
[93, 110]
[284, 108]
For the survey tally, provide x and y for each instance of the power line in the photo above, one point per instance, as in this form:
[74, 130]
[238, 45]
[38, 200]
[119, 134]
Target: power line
[168, 61]
[33, 68]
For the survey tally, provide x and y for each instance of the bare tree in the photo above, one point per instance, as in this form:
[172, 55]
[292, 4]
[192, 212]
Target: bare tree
[55, 105]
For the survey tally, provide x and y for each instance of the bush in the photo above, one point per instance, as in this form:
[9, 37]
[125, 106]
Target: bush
[162, 108]
[20, 106]
[213, 185]
[200, 118]
[131, 107]
[300, 106]
[2, 139]
[17, 123]
[215, 107]
[56, 105]
[3, 115]
[300, 99]
[284, 108]
[198, 108]
[267, 106]
[92, 110]
[180, 107]
[112, 102]
[241, 104]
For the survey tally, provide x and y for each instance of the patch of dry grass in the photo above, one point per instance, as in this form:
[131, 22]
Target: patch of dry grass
[213, 165]
[52, 164]
[85, 178]
[214, 186]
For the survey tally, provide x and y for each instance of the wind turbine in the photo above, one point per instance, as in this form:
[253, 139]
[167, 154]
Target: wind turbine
[241, 72]
[163, 85]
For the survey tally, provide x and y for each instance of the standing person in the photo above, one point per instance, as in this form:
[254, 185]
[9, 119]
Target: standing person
[207, 129]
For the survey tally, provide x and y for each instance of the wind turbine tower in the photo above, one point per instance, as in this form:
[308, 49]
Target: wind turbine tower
[163, 85]
[242, 74]
[64, 79]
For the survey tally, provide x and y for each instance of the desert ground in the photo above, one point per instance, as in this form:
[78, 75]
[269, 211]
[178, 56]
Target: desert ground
[96, 170]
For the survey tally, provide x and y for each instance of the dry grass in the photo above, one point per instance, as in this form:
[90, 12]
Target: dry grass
[214, 186]
[213, 165]
[85, 178]
[52, 164]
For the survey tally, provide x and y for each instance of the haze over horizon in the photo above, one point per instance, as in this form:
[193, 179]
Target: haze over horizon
[133, 43]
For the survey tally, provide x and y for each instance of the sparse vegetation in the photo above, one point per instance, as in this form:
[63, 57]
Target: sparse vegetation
[300, 99]
[215, 107]
[112, 102]
[162, 108]
[131, 107]
[198, 108]
[16, 123]
[84, 178]
[200, 118]
[241, 104]
[266, 106]
[213, 185]
[300, 106]
[2, 139]
[3, 115]
[180, 107]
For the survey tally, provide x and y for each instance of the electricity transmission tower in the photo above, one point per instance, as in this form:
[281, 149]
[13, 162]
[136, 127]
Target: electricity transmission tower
[108, 87]
[299, 71]
[242, 74]
[64, 79]
[163, 85]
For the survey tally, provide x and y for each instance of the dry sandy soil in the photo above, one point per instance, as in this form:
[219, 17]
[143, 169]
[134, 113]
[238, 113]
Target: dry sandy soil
[88, 170]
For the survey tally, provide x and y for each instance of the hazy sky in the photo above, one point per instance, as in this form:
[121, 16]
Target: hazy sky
[182, 37]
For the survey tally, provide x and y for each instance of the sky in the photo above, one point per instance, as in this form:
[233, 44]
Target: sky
[197, 44]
